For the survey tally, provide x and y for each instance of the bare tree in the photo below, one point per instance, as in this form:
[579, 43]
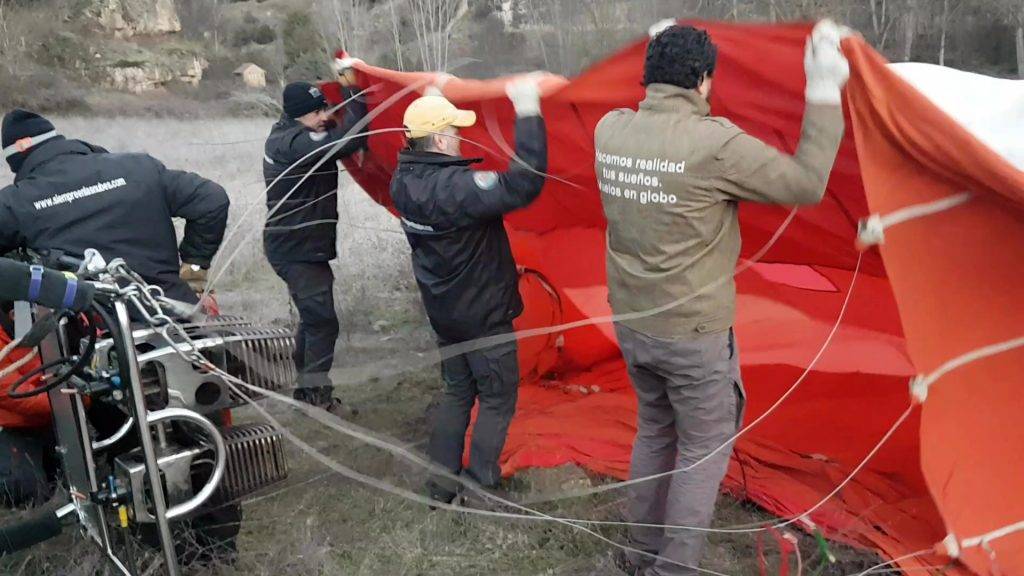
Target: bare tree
[397, 35]
[1012, 11]
[433, 21]
[883, 17]
[944, 26]
[909, 30]
[4, 32]
[1020, 48]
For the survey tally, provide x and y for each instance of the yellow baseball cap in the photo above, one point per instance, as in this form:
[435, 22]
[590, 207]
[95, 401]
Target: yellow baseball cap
[430, 114]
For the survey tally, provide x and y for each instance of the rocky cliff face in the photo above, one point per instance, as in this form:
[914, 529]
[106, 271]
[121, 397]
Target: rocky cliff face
[148, 75]
[127, 18]
[122, 64]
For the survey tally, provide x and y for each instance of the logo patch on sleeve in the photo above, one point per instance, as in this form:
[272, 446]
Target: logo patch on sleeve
[485, 180]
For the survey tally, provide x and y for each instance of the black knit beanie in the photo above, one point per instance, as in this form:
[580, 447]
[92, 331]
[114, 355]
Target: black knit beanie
[301, 98]
[18, 134]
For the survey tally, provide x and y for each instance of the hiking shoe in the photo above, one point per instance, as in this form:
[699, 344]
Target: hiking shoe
[476, 501]
[340, 409]
[623, 563]
[307, 395]
[439, 494]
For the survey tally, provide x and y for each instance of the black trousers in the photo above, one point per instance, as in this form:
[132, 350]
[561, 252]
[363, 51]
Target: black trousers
[490, 377]
[311, 287]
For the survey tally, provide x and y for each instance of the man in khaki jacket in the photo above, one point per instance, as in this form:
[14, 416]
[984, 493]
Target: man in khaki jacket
[671, 178]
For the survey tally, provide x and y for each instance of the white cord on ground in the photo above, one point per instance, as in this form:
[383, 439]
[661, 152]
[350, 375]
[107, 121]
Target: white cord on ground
[894, 562]
[189, 352]
[414, 497]
[792, 539]
[367, 437]
[793, 519]
[748, 427]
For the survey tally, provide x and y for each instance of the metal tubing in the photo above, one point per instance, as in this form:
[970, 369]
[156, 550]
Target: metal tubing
[131, 363]
[220, 457]
[115, 437]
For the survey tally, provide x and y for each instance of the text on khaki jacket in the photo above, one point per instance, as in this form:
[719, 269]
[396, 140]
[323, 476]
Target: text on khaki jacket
[671, 178]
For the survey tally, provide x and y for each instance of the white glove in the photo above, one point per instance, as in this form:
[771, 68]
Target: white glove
[827, 69]
[524, 92]
[345, 68]
[341, 65]
[437, 88]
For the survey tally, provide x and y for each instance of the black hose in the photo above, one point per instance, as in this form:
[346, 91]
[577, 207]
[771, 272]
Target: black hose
[29, 532]
[78, 363]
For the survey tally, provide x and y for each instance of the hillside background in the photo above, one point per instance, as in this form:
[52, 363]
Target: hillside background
[177, 58]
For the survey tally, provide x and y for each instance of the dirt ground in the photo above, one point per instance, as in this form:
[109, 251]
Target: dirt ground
[317, 523]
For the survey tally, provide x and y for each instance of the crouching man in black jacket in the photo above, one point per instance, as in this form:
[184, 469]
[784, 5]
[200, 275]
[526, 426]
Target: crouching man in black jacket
[452, 217]
[69, 196]
[300, 234]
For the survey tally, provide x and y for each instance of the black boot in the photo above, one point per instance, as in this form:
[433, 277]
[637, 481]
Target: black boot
[309, 395]
[326, 399]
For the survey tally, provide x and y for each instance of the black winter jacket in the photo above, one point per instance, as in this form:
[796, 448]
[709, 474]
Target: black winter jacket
[302, 223]
[452, 217]
[70, 196]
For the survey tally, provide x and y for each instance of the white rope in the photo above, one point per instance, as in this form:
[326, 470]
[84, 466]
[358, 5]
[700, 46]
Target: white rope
[872, 229]
[793, 519]
[17, 364]
[495, 132]
[791, 538]
[353, 132]
[993, 535]
[196, 356]
[414, 497]
[8, 370]
[943, 370]
[920, 385]
[9, 348]
[810, 366]
[577, 523]
[894, 562]
[272, 213]
[370, 438]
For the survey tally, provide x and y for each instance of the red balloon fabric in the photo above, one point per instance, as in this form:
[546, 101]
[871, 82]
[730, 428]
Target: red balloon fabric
[32, 412]
[827, 399]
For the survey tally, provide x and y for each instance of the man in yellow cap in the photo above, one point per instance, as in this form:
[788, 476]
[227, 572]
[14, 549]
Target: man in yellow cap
[452, 217]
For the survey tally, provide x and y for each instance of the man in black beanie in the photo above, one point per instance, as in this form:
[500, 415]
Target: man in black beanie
[300, 236]
[69, 196]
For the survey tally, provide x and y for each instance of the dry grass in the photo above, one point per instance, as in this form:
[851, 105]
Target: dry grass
[319, 523]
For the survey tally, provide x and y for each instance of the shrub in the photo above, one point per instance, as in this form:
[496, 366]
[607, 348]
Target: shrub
[42, 91]
[255, 33]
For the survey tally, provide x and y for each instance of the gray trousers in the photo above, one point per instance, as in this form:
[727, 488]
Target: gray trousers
[690, 400]
[490, 376]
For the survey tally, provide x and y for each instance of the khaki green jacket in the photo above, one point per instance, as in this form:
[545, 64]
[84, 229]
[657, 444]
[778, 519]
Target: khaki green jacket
[671, 177]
